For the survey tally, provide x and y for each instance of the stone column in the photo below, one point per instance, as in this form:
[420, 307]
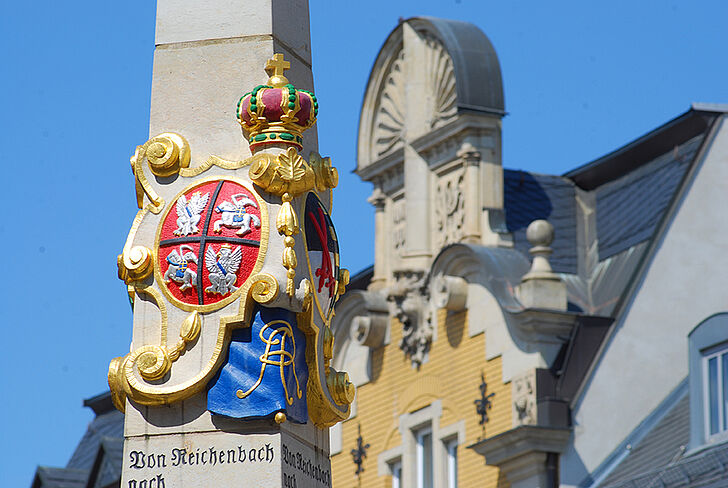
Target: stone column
[378, 200]
[209, 53]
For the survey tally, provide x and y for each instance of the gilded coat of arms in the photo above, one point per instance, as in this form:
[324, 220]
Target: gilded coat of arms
[232, 268]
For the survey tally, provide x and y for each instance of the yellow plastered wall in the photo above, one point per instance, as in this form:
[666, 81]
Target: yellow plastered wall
[452, 375]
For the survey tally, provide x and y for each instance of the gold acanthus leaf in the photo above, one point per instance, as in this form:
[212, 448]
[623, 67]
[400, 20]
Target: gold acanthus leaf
[291, 166]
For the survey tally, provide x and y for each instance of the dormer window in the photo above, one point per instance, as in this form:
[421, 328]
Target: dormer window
[708, 357]
[715, 374]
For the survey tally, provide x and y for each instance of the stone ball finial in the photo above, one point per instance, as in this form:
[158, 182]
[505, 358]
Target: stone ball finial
[541, 287]
[540, 233]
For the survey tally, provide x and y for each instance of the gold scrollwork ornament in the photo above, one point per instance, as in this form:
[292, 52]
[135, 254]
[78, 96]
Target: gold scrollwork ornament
[165, 155]
[135, 264]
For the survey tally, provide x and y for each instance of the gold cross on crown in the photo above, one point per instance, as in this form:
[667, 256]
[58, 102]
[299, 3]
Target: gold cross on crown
[275, 67]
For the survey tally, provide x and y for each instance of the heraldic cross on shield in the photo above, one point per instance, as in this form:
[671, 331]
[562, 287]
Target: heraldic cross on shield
[209, 246]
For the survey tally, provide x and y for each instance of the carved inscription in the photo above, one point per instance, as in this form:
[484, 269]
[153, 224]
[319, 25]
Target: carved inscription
[150, 469]
[221, 459]
[302, 466]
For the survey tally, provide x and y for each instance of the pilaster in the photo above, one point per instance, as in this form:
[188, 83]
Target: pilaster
[473, 207]
[378, 200]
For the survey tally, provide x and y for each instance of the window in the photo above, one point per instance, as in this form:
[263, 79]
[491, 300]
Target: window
[451, 447]
[396, 469]
[424, 457]
[708, 379]
[715, 374]
[427, 456]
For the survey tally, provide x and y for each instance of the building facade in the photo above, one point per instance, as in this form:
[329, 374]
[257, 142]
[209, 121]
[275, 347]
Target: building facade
[518, 329]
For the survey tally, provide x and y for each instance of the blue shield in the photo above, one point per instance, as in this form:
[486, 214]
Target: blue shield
[265, 372]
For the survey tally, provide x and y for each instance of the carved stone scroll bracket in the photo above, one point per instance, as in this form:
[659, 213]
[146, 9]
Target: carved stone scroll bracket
[370, 330]
[450, 292]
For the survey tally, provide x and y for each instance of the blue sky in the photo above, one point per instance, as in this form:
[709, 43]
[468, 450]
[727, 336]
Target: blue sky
[581, 79]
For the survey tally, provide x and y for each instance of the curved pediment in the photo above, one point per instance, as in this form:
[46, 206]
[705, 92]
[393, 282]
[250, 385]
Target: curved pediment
[428, 71]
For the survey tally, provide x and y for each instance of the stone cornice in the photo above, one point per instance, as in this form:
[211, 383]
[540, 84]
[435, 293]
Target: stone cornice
[524, 441]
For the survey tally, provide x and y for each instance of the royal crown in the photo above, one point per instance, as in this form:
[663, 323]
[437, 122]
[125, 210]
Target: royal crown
[277, 112]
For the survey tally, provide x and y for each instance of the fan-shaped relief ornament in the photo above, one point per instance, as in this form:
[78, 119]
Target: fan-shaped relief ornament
[441, 90]
[388, 131]
[436, 90]
[225, 307]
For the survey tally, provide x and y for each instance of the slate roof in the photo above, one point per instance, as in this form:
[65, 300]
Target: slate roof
[108, 463]
[97, 460]
[110, 424]
[630, 208]
[664, 444]
[659, 459]
[361, 279]
[530, 196]
[48, 477]
[705, 469]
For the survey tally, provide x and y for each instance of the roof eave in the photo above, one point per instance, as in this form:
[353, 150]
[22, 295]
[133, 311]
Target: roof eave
[627, 158]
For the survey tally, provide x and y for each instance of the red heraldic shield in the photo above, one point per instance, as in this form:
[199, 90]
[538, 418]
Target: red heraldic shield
[209, 243]
[323, 255]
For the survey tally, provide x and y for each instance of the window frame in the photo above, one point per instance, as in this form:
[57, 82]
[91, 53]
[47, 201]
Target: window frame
[395, 468]
[406, 453]
[420, 454]
[706, 339]
[451, 465]
[720, 353]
